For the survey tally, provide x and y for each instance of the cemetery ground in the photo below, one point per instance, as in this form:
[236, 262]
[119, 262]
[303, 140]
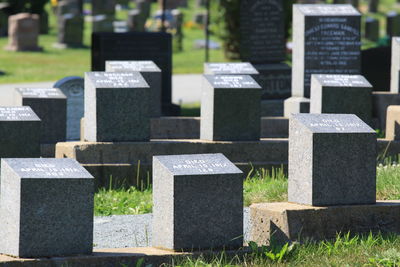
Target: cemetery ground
[53, 64]
[263, 186]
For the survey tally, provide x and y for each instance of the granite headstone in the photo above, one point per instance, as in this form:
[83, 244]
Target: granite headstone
[230, 108]
[332, 160]
[116, 107]
[197, 202]
[46, 208]
[50, 104]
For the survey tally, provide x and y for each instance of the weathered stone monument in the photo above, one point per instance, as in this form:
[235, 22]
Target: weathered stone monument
[197, 202]
[116, 107]
[70, 30]
[326, 40]
[341, 94]
[46, 208]
[50, 104]
[393, 123]
[19, 133]
[263, 43]
[332, 184]
[73, 88]
[23, 32]
[150, 72]
[230, 108]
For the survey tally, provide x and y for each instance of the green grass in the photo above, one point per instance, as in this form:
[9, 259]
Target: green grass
[379, 250]
[53, 64]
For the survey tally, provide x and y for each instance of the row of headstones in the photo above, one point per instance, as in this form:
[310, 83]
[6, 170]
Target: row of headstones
[46, 205]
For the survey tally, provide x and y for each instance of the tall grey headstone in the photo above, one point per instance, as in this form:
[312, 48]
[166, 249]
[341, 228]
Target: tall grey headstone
[150, 72]
[197, 202]
[326, 40]
[19, 132]
[50, 104]
[395, 66]
[46, 208]
[116, 107]
[230, 108]
[332, 160]
[73, 89]
[262, 31]
[341, 94]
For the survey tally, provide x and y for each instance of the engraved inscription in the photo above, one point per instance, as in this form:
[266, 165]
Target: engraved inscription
[231, 68]
[343, 80]
[133, 65]
[231, 81]
[201, 166]
[338, 125]
[40, 92]
[332, 46]
[51, 170]
[16, 114]
[113, 79]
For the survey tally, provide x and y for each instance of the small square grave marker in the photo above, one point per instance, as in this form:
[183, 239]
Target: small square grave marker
[46, 208]
[198, 202]
[332, 160]
[116, 107]
[230, 108]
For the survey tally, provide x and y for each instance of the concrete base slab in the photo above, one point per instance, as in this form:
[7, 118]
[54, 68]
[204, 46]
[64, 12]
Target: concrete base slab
[130, 163]
[285, 221]
[129, 257]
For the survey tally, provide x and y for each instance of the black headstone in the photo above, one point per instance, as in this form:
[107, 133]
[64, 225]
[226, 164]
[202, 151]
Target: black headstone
[375, 67]
[154, 46]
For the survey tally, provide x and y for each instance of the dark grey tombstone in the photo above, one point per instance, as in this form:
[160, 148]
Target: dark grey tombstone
[136, 20]
[372, 29]
[70, 31]
[50, 104]
[395, 66]
[19, 133]
[275, 80]
[262, 31]
[154, 46]
[230, 108]
[332, 160]
[320, 31]
[117, 107]
[103, 7]
[102, 23]
[342, 94]
[150, 72]
[46, 208]
[197, 202]
[73, 89]
[392, 24]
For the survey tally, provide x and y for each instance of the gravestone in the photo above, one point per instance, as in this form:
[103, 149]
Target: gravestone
[395, 66]
[392, 24]
[144, 6]
[70, 31]
[262, 31]
[341, 94]
[393, 123]
[230, 108]
[372, 29]
[239, 68]
[198, 202]
[50, 104]
[4, 11]
[332, 160]
[23, 32]
[136, 20]
[150, 72]
[154, 46]
[375, 66]
[263, 43]
[19, 133]
[69, 7]
[103, 7]
[73, 88]
[173, 4]
[116, 107]
[46, 208]
[102, 23]
[326, 40]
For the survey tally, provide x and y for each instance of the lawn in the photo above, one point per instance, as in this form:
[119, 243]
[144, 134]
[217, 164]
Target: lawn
[53, 64]
[270, 186]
